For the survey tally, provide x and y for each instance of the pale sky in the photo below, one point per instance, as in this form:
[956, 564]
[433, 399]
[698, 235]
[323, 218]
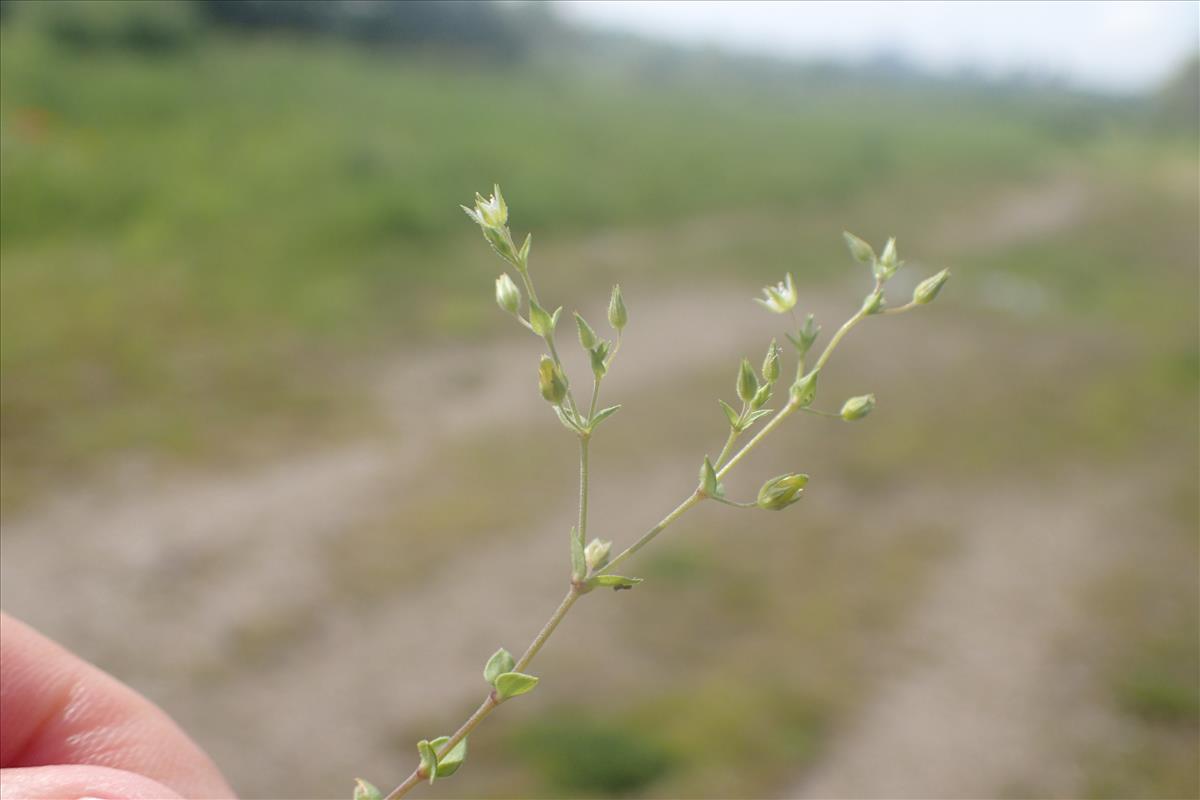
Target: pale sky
[1111, 46]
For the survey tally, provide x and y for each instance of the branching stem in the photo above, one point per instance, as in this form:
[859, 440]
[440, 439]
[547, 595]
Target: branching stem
[578, 588]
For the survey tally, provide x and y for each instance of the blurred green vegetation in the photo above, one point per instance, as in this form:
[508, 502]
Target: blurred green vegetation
[190, 236]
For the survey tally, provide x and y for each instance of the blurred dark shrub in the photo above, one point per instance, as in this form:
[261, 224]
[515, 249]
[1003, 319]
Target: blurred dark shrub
[481, 27]
[151, 28]
[578, 753]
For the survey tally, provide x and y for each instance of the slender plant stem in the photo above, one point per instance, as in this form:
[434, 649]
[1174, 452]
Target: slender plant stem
[837, 337]
[694, 498]
[763, 432]
[491, 702]
[581, 531]
[576, 591]
[572, 595]
[595, 397]
[485, 708]
[725, 451]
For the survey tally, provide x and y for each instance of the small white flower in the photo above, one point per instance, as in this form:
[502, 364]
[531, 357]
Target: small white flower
[489, 213]
[780, 298]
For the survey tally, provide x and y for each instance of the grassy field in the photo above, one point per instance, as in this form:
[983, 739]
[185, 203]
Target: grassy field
[266, 209]
[250, 253]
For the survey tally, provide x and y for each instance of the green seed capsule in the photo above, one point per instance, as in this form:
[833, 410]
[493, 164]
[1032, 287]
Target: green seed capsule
[858, 407]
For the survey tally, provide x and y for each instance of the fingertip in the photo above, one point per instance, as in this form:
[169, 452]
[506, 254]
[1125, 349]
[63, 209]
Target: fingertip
[79, 782]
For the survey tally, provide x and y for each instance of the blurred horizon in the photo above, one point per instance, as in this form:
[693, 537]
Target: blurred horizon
[271, 454]
[1123, 48]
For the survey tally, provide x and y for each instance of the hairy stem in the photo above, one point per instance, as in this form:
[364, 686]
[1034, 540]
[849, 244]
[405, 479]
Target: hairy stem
[581, 531]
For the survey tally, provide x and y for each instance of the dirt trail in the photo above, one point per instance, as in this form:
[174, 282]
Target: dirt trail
[978, 695]
[210, 555]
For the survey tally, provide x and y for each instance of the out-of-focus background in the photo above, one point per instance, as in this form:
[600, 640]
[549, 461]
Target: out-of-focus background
[272, 455]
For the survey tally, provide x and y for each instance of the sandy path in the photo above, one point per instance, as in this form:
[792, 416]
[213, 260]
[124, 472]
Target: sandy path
[978, 696]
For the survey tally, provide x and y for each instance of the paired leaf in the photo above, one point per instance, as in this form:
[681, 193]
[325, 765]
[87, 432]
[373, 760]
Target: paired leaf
[449, 763]
[365, 790]
[616, 582]
[500, 662]
[429, 764]
[708, 480]
[735, 419]
[566, 418]
[755, 416]
[512, 684]
[604, 414]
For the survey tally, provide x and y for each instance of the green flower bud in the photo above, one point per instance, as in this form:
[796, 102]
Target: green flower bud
[761, 397]
[858, 407]
[874, 303]
[587, 336]
[770, 367]
[617, 316]
[888, 262]
[551, 381]
[508, 296]
[781, 492]
[809, 333]
[804, 390]
[747, 382]
[862, 252]
[596, 553]
[928, 289]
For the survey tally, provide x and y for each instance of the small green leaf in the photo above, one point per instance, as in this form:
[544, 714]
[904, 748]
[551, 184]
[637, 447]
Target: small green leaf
[365, 790]
[429, 763]
[599, 354]
[578, 562]
[554, 318]
[755, 416]
[539, 320]
[500, 662]
[564, 416]
[617, 582]
[511, 684]
[523, 256]
[735, 419]
[449, 763]
[708, 480]
[604, 414]
[587, 336]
